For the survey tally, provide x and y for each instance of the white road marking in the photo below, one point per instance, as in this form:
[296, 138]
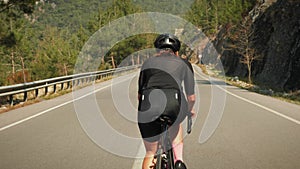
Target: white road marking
[137, 164]
[266, 108]
[33, 116]
[55, 107]
[258, 105]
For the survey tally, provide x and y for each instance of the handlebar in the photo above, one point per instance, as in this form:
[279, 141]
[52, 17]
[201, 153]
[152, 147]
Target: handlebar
[189, 122]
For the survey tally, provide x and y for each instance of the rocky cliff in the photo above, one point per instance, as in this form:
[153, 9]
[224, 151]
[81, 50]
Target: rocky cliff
[276, 38]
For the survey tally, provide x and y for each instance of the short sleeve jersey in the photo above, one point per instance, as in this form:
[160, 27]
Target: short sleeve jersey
[166, 71]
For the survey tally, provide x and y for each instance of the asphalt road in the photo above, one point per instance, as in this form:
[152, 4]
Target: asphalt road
[95, 128]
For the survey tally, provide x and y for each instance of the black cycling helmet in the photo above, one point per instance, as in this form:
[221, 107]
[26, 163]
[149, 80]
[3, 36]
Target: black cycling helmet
[167, 41]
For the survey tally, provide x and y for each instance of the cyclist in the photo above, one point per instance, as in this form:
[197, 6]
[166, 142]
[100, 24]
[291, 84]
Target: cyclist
[160, 91]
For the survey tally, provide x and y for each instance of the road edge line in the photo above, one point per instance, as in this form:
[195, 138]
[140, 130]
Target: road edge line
[256, 104]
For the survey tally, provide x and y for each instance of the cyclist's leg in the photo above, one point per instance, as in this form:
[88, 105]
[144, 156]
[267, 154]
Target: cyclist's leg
[151, 134]
[151, 148]
[177, 142]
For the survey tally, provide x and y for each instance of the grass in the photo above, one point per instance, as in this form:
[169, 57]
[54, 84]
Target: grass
[291, 97]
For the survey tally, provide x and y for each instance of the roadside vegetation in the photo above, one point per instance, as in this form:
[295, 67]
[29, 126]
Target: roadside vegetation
[292, 97]
[42, 39]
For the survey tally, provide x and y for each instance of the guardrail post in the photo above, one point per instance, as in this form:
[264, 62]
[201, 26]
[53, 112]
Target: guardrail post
[73, 83]
[46, 90]
[36, 93]
[68, 84]
[81, 79]
[54, 88]
[11, 100]
[25, 96]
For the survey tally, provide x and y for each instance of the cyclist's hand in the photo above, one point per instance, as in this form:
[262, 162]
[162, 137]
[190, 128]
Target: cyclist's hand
[193, 113]
[153, 163]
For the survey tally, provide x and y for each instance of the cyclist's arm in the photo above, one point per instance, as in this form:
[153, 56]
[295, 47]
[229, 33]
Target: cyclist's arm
[141, 83]
[191, 101]
[189, 88]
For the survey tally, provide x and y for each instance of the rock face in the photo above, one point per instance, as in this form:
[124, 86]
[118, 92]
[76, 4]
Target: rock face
[276, 39]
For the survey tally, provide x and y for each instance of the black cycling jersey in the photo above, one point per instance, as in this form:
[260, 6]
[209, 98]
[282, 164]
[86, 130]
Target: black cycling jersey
[189, 65]
[162, 80]
[166, 71]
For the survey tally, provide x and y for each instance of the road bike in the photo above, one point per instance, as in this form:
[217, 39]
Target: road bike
[164, 155]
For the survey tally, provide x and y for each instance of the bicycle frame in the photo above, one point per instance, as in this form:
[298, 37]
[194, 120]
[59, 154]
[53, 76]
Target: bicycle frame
[165, 156]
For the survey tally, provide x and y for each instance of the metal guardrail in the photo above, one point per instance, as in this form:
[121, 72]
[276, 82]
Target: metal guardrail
[8, 92]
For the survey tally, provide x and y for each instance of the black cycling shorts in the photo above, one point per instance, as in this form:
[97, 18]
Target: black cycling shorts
[154, 103]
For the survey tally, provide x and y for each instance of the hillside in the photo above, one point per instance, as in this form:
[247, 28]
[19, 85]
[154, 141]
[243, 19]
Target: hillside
[69, 14]
[275, 38]
[45, 41]
[42, 39]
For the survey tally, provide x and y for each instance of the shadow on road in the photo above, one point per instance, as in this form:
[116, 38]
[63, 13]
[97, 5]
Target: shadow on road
[212, 82]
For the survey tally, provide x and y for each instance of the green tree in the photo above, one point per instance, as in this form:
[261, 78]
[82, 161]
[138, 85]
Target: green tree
[119, 51]
[13, 38]
[55, 55]
[26, 6]
[118, 9]
[209, 15]
[240, 42]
